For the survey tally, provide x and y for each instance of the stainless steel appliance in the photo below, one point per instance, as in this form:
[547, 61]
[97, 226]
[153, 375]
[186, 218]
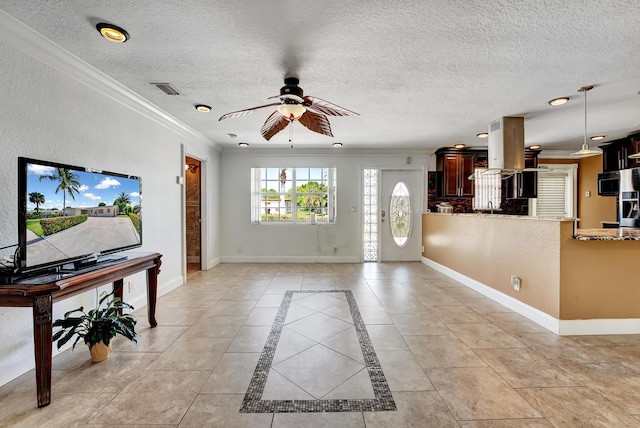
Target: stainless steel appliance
[609, 184]
[629, 199]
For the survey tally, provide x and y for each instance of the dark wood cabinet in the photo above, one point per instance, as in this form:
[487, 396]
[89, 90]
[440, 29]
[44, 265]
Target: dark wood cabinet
[615, 155]
[525, 184]
[457, 169]
[454, 169]
[635, 148]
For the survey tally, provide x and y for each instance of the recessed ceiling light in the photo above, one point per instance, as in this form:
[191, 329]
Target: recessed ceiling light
[337, 144]
[459, 146]
[482, 134]
[113, 33]
[243, 144]
[203, 108]
[535, 147]
[598, 137]
[558, 101]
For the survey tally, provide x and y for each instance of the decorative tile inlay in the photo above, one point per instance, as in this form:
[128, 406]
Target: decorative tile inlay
[253, 402]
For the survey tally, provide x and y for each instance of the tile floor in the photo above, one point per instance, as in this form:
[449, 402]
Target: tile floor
[450, 357]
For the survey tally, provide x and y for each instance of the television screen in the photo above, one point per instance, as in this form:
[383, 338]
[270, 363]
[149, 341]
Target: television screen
[68, 213]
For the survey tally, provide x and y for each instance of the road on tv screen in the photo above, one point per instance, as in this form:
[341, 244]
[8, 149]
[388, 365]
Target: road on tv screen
[94, 235]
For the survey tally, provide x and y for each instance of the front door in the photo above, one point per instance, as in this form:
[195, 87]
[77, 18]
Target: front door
[401, 215]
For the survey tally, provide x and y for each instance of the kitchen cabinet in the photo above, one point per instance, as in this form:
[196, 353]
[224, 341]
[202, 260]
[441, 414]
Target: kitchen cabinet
[454, 168]
[615, 155]
[635, 148]
[525, 184]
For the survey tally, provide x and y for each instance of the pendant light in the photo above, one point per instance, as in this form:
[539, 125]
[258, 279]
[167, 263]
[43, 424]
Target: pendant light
[585, 151]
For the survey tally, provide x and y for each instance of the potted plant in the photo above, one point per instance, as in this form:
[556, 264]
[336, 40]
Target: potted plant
[98, 326]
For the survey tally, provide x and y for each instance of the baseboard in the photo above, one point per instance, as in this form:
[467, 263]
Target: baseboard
[170, 285]
[213, 263]
[12, 369]
[557, 326]
[289, 259]
[599, 326]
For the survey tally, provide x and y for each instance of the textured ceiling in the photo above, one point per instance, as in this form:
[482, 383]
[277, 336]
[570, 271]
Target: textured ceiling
[422, 74]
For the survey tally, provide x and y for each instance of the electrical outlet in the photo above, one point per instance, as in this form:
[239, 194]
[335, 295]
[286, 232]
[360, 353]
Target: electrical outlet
[515, 282]
[587, 193]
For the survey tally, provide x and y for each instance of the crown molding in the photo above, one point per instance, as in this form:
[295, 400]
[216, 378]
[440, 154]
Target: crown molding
[25, 39]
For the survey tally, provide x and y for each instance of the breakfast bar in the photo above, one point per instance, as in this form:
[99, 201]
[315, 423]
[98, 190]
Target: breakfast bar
[567, 276]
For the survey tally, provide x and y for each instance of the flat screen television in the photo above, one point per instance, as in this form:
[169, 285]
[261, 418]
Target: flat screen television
[72, 216]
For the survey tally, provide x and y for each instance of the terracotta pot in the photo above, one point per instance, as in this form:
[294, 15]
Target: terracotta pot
[100, 352]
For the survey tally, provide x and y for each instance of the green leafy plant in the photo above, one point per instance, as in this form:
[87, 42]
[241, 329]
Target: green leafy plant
[100, 324]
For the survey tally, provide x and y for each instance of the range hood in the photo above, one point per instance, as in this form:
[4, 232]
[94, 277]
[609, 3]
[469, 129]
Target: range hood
[506, 144]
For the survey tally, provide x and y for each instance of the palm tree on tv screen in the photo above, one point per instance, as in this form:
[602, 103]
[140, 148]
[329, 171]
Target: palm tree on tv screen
[69, 182]
[122, 201]
[36, 198]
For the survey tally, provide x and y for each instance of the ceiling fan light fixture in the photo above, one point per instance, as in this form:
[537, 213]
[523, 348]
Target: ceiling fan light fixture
[291, 111]
[558, 101]
[585, 151]
[203, 108]
[482, 134]
[598, 137]
[113, 33]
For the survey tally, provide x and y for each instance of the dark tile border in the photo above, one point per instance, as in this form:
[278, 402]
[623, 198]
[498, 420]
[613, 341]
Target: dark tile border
[253, 402]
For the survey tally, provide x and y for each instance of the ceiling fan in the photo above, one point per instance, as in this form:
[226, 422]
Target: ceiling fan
[311, 112]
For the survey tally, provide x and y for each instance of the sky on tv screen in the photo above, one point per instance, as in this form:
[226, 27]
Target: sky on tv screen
[94, 188]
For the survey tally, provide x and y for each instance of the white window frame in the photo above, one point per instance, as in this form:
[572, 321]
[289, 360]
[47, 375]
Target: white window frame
[257, 184]
[571, 186]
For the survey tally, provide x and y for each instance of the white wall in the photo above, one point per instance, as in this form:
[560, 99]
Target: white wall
[297, 243]
[49, 115]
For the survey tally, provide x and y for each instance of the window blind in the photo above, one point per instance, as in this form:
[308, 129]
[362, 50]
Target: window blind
[552, 190]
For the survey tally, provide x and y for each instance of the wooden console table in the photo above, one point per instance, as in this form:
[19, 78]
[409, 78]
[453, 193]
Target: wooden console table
[41, 291]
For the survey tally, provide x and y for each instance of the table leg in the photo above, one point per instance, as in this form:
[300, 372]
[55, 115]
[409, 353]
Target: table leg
[152, 294]
[42, 309]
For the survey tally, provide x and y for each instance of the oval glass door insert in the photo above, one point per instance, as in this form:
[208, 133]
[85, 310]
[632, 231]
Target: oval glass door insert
[400, 214]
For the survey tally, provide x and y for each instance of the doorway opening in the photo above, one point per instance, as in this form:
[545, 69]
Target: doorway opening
[193, 214]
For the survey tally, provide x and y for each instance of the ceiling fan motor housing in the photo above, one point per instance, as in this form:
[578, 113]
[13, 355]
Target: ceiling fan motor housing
[291, 87]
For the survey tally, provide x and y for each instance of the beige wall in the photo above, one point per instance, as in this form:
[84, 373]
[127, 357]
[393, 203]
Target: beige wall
[563, 277]
[598, 279]
[594, 209]
[490, 249]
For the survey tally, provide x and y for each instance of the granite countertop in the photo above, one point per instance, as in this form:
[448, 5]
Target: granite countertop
[505, 216]
[622, 234]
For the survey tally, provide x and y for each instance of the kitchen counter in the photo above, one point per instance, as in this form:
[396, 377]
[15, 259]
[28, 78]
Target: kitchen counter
[505, 216]
[621, 234]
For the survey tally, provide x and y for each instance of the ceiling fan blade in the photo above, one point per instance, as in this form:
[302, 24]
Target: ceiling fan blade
[316, 122]
[245, 111]
[321, 106]
[275, 123]
[292, 97]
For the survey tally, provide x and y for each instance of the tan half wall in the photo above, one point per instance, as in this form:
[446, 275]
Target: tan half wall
[560, 276]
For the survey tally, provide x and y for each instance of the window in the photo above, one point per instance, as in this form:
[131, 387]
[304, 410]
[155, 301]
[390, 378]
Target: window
[293, 195]
[400, 214]
[556, 192]
[370, 213]
[488, 190]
